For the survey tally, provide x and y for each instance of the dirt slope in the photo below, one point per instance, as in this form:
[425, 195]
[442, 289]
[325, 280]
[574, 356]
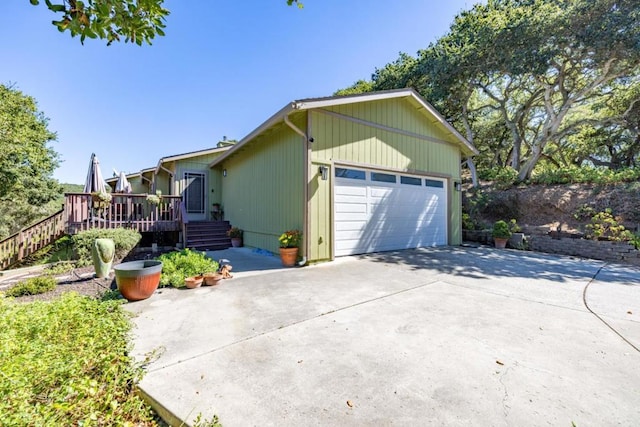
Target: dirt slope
[556, 205]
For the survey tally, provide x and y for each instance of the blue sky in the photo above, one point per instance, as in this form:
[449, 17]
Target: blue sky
[222, 69]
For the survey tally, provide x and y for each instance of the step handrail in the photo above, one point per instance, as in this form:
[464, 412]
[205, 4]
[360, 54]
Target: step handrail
[25, 242]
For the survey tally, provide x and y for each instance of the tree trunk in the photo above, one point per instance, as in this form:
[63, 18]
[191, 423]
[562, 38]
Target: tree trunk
[474, 173]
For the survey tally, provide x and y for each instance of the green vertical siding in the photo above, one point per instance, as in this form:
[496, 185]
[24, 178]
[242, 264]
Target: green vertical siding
[263, 192]
[320, 236]
[162, 181]
[212, 176]
[138, 186]
[340, 140]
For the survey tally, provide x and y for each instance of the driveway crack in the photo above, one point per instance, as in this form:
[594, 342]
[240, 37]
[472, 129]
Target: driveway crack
[584, 300]
[505, 407]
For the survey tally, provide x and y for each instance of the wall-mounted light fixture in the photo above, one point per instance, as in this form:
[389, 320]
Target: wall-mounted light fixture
[457, 185]
[323, 171]
[224, 172]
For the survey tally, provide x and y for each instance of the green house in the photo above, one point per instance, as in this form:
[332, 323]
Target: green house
[356, 174]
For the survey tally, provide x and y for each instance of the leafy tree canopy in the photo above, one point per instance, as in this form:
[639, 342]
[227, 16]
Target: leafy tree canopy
[135, 21]
[524, 78]
[27, 161]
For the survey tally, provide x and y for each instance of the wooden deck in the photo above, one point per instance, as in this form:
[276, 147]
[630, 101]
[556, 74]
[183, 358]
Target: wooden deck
[82, 213]
[125, 210]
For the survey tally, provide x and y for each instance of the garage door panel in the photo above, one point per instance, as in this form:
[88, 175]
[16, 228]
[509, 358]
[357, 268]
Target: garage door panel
[373, 216]
[351, 216]
[348, 189]
[351, 208]
[350, 225]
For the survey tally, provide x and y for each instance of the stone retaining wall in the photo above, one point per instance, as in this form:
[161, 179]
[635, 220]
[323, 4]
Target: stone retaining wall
[566, 244]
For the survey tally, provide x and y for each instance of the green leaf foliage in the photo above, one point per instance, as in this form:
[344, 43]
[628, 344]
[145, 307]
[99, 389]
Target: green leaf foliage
[33, 286]
[131, 21]
[125, 240]
[27, 162]
[178, 265]
[534, 82]
[67, 362]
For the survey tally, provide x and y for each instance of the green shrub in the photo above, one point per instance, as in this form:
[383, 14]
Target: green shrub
[501, 230]
[502, 177]
[185, 263]
[66, 362]
[605, 225]
[33, 286]
[124, 239]
[585, 174]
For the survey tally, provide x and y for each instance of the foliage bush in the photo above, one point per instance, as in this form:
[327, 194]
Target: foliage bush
[185, 263]
[501, 230]
[290, 239]
[235, 233]
[605, 226]
[502, 177]
[66, 362]
[124, 239]
[33, 286]
[584, 174]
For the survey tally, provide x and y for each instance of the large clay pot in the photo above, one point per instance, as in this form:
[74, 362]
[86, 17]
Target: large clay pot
[102, 253]
[236, 242]
[137, 280]
[288, 256]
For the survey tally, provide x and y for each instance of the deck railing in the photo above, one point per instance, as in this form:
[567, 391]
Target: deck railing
[31, 239]
[125, 210]
[81, 213]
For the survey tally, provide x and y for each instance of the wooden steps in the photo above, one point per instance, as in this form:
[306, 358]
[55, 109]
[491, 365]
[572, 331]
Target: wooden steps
[208, 235]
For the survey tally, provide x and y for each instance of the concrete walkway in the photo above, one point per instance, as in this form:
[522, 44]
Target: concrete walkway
[449, 336]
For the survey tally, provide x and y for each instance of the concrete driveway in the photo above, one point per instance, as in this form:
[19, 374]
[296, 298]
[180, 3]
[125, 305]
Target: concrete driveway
[447, 336]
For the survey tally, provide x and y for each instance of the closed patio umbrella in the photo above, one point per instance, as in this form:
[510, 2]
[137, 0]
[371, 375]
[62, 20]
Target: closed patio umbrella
[94, 182]
[123, 185]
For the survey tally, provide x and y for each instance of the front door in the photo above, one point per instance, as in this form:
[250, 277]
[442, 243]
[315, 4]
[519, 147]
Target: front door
[195, 195]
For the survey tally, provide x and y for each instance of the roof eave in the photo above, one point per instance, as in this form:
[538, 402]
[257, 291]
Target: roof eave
[276, 118]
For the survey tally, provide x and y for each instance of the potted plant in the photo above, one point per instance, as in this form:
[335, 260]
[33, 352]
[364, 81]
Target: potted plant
[289, 244]
[517, 239]
[501, 234]
[155, 199]
[212, 279]
[101, 199]
[236, 236]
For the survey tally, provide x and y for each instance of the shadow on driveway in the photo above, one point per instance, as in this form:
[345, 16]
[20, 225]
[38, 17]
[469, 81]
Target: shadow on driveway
[483, 263]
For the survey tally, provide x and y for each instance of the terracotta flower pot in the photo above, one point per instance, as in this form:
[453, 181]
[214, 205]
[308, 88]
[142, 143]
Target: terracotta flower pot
[500, 243]
[137, 280]
[288, 256]
[193, 282]
[212, 279]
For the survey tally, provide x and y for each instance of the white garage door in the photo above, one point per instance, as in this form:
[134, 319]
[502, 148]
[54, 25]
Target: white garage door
[382, 211]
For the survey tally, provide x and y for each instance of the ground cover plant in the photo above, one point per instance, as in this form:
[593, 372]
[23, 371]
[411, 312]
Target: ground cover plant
[66, 362]
[33, 286]
[185, 263]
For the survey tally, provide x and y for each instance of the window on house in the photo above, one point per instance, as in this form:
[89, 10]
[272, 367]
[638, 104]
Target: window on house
[410, 180]
[350, 173]
[194, 192]
[433, 183]
[382, 177]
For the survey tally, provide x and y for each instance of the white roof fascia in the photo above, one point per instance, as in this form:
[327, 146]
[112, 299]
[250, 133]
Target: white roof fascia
[445, 123]
[187, 156]
[343, 100]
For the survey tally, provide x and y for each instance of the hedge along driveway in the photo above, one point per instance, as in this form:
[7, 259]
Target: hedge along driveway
[452, 336]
